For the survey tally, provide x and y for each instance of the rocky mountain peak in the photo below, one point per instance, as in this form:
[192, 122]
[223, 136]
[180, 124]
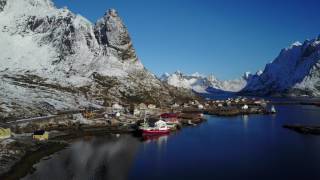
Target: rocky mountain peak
[111, 32]
[112, 13]
[50, 56]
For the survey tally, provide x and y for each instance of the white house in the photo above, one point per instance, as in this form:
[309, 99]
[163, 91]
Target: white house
[142, 106]
[175, 105]
[117, 106]
[151, 106]
[257, 102]
[245, 107]
[136, 112]
[160, 124]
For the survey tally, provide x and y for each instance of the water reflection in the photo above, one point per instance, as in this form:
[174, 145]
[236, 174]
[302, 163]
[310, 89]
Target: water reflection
[159, 140]
[96, 158]
[248, 147]
[245, 119]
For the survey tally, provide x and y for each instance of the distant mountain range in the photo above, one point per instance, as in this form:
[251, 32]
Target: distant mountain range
[295, 72]
[204, 84]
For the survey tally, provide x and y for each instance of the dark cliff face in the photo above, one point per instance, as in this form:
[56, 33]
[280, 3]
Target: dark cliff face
[111, 32]
[2, 4]
[62, 38]
[61, 33]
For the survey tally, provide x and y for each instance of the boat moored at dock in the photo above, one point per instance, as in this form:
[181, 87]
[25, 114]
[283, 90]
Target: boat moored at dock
[160, 127]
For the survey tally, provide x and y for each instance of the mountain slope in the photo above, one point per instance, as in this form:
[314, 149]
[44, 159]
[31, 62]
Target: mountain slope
[294, 72]
[55, 60]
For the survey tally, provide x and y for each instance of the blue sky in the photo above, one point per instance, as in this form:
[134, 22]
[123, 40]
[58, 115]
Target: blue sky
[223, 37]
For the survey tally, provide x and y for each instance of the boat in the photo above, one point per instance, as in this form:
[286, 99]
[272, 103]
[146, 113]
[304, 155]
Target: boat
[160, 128]
[273, 109]
[172, 120]
[173, 127]
[191, 123]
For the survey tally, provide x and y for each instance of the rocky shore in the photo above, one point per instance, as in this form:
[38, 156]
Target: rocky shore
[18, 159]
[19, 153]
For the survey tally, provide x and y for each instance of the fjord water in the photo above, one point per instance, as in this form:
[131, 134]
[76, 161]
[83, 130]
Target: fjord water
[243, 147]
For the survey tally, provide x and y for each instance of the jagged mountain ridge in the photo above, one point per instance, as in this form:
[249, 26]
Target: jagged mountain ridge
[55, 60]
[66, 43]
[295, 72]
[204, 84]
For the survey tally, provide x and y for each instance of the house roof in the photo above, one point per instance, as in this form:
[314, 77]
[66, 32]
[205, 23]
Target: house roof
[39, 132]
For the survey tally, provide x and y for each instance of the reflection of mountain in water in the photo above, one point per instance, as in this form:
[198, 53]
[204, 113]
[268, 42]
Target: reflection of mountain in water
[99, 158]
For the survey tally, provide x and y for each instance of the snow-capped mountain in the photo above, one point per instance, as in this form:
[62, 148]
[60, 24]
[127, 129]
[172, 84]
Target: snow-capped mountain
[52, 59]
[295, 72]
[204, 84]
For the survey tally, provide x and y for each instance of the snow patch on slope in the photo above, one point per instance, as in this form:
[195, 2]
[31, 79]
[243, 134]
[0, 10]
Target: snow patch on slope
[20, 53]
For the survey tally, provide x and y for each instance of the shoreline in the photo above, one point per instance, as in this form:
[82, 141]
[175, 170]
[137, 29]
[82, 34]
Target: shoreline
[33, 151]
[24, 164]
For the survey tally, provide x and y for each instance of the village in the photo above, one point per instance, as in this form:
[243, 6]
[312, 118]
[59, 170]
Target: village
[142, 120]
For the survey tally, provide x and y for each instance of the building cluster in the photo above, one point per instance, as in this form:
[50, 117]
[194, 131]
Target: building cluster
[239, 102]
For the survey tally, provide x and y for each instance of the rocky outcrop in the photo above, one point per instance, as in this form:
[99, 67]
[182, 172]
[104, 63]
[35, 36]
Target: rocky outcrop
[111, 32]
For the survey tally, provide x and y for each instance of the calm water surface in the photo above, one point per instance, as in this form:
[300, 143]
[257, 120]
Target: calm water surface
[244, 147]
